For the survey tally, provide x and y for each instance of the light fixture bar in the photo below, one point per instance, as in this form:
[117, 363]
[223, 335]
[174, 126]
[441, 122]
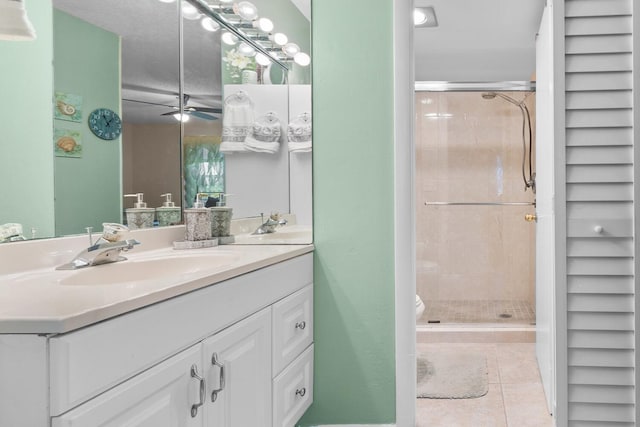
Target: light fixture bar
[209, 11]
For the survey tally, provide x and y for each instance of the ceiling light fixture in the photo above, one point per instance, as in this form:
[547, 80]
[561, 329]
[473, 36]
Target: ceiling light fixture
[209, 24]
[246, 50]
[246, 10]
[263, 24]
[290, 49]
[302, 59]
[228, 38]
[167, 1]
[279, 38]
[262, 59]
[424, 17]
[189, 11]
[14, 23]
[181, 117]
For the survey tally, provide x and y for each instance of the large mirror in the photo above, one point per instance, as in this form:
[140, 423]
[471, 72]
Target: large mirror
[124, 57]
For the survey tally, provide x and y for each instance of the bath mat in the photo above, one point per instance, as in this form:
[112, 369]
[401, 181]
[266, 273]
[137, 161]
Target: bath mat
[452, 375]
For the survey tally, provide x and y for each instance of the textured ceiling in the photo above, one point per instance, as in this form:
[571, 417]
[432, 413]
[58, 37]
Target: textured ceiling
[478, 40]
[149, 31]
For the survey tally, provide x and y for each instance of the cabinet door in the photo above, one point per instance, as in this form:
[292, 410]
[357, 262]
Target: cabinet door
[166, 395]
[238, 373]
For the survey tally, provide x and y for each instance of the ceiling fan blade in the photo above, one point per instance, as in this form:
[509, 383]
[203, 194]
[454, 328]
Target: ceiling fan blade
[208, 110]
[202, 115]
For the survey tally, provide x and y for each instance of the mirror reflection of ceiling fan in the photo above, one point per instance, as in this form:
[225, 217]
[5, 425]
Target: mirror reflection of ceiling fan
[204, 113]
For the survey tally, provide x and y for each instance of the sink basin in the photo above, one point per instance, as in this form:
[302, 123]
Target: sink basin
[148, 269]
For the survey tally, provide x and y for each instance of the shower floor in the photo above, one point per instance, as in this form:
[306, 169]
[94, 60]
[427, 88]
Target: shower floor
[478, 311]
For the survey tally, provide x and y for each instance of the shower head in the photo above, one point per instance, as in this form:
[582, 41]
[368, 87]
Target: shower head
[492, 95]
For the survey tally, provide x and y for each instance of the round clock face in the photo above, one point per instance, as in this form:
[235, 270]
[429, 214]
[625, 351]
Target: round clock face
[105, 123]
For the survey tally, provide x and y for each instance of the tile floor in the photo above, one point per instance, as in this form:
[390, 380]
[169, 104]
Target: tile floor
[478, 311]
[515, 397]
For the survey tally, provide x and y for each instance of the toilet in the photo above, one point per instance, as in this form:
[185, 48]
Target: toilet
[419, 307]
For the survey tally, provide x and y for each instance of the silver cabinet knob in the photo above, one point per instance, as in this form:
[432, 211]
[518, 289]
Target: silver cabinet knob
[301, 325]
[598, 229]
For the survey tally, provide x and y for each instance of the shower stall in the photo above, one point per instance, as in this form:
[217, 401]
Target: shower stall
[475, 184]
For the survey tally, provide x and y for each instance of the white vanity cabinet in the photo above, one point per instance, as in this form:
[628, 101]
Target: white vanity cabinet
[238, 373]
[236, 353]
[159, 397]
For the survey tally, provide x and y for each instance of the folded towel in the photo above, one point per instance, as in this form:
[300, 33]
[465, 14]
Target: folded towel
[299, 133]
[265, 134]
[237, 121]
[300, 147]
[229, 147]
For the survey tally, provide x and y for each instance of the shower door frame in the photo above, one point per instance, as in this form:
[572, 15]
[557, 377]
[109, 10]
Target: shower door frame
[499, 86]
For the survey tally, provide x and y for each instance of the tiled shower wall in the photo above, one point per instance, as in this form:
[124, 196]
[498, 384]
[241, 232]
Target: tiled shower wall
[469, 149]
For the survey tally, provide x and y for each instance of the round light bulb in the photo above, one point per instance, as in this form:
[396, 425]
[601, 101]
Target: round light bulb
[229, 39]
[419, 17]
[209, 24]
[181, 117]
[279, 38]
[246, 10]
[262, 59]
[290, 49]
[302, 59]
[246, 50]
[264, 24]
[189, 11]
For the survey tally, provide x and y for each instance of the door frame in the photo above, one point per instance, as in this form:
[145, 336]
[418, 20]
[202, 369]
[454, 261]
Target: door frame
[405, 225]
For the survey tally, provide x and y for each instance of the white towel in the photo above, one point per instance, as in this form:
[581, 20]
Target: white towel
[237, 121]
[299, 133]
[265, 134]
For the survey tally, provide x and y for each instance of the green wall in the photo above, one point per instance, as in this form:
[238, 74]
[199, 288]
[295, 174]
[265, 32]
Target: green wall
[87, 63]
[353, 215]
[26, 172]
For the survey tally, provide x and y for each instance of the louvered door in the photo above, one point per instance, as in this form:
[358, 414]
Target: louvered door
[600, 212]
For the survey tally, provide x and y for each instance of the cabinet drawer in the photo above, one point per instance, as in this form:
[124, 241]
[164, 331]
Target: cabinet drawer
[292, 327]
[293, 390]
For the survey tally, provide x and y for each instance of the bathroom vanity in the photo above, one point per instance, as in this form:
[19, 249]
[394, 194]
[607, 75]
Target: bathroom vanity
[210, 337]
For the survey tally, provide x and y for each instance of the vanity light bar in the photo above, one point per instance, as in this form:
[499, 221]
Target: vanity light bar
[207, 9]
[250, 31]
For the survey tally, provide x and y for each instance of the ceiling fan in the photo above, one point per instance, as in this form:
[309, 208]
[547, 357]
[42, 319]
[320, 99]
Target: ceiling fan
[204, 113]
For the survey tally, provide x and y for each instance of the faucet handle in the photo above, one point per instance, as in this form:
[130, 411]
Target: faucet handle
[89, 231]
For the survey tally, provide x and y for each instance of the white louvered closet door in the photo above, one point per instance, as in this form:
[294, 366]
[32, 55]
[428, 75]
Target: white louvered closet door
[600, 212]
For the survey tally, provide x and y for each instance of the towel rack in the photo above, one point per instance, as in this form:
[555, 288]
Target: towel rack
[480, 203]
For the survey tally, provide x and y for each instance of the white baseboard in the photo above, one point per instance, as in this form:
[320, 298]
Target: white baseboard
[356, 425]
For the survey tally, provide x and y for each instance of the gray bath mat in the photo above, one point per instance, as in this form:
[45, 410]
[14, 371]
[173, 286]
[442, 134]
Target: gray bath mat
[452, 375]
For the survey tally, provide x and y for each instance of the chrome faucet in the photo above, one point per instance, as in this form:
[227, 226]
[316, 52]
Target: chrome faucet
[269, 226]
[105, 250]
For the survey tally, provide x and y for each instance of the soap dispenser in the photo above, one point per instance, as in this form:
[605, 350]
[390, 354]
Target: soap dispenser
[221, 218]
[197, 221]
[168, 213]
[139, 216]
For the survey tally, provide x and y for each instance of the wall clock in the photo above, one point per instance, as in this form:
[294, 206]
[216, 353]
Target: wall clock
[105, 123]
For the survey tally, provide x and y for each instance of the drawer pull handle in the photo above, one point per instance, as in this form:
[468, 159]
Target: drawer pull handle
[301, 325]
[195, 406]
[216, 362]
[301, 392]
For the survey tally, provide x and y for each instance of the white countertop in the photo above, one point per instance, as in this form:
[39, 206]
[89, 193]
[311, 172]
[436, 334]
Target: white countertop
[45, 300]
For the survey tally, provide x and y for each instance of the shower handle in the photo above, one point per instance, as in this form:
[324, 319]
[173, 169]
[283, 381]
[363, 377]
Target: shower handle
[530, 218]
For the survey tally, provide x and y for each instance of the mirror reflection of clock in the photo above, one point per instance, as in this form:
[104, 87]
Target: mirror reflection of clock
[105, 123]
